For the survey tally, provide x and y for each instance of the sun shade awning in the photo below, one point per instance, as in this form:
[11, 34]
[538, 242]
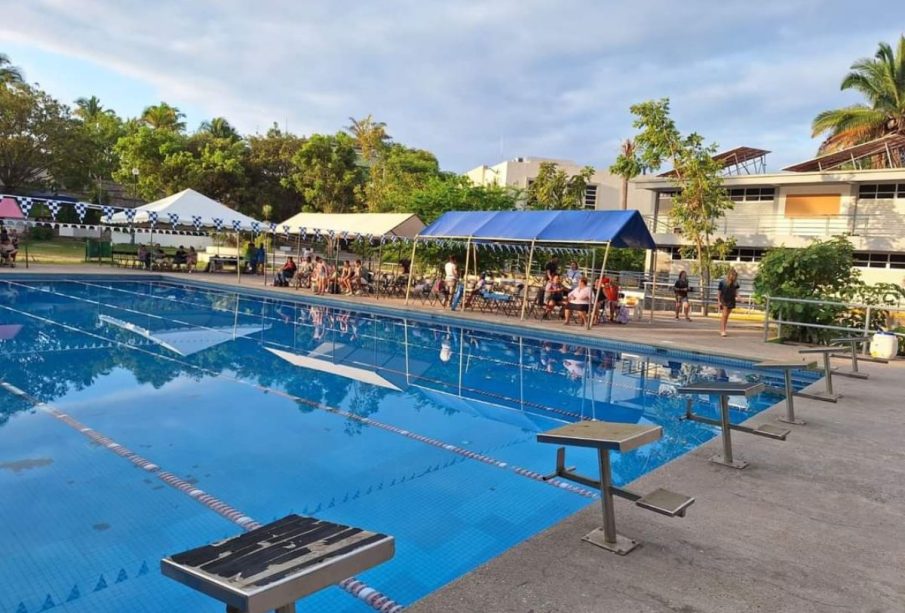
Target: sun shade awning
[617, 228]
[186, 206]
[403, 225]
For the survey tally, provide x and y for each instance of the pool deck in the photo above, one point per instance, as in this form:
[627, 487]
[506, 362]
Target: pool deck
[815, 523]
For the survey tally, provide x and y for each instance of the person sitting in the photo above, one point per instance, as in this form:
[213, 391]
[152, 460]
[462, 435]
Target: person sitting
[180, 257]
[303, 274]
[359, 278]
[250, 257]
[159, 257]
[481, 286]
[191, 259]
[579, 300]
[573, 274]
[286, 273]
[345, 278]
[554, 293]
[8, 252]
[611, 293]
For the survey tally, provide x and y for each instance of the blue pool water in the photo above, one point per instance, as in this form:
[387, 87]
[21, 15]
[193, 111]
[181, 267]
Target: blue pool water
[415, 428]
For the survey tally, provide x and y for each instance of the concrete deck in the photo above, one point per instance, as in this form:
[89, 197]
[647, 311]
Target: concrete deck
[815, 523]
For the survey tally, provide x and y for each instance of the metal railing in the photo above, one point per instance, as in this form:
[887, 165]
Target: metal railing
[864, 330]
[868, 226]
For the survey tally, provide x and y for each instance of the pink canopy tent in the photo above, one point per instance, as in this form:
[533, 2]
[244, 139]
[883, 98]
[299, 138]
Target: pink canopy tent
[9, 209]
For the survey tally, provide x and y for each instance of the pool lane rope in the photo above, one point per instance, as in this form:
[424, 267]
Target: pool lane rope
[352, 585]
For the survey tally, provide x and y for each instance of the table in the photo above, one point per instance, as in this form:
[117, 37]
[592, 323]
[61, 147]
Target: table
[273, 566]
[787, 368]
[724, 390]
[605, 437]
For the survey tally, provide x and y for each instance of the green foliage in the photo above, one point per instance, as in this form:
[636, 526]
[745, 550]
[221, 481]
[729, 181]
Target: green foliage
[37, 135]
[456, 193]
[881, 80]
[822, 271]
[624, 259]
[268, 167]
[164, 117]
[326, 173]
[9, 75]
[702, 200]
[398, 173]
[627, 166]
[370, 137]
[41, 233]
[554, 188]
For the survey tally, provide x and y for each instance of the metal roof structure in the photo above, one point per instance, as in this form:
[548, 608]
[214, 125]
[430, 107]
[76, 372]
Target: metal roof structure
[747, 160]
[885, 152]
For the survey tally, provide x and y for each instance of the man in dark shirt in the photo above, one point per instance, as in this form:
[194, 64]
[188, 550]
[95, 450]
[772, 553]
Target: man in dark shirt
[552, 268]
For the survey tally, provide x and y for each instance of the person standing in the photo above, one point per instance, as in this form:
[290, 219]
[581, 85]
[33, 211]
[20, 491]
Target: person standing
[681, 290]
[552, 268]
[573, 274]
[451, 278]
[726, 293]
[260, 259]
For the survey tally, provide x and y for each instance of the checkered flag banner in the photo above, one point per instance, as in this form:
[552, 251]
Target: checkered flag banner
[108, 213]
[317, 234]
[54, 207]
[343, 235]
[383, 239]
[174, 218]
[237, 225]
[196, 221]
[273, 228]
[255, 227]
[25, 205]
[395, 239]
[218, 223]
[303, 231]
[286, 231]
[130, 215]
[152, 218]
[331, 234]
[369, 237]
[80, 211]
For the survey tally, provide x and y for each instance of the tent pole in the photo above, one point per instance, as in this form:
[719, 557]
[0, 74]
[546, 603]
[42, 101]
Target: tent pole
[465, 276]
[606, 255]
[408, 287]
[379, 269]
[238, 266]
[527, 279]
[653, 283]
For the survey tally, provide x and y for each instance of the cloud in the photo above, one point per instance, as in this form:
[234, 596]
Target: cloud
[550, 79]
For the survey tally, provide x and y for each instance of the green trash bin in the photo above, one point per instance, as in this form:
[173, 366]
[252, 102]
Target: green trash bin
[95, 249]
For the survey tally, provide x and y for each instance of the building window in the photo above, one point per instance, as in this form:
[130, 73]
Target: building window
[870, 259]
[881, 191]
[590, 197]
[752, 194]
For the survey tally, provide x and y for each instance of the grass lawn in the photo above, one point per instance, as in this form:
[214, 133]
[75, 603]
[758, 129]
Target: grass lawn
[55, 251]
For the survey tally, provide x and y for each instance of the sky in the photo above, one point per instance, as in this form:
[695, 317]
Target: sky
[476, 82]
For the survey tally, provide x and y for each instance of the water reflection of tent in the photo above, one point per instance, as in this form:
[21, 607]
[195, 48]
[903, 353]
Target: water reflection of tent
[185, 340]
[9, 331]
[357, 363]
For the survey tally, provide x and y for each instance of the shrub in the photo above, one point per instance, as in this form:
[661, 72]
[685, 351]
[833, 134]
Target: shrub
[42, 233]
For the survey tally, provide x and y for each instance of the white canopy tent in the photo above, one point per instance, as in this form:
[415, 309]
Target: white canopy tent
[188, 206]
[402, 225]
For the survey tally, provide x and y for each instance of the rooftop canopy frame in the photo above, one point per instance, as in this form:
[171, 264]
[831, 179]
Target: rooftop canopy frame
[540, 229]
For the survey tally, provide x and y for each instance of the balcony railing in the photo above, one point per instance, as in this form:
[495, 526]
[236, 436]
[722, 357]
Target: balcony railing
[874, 226]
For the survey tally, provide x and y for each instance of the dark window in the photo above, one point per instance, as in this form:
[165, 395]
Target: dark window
[867, 191]
[886, 190]
[861, 259]
[897, 260]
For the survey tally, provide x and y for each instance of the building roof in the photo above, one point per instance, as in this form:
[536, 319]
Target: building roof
[890, 149]
[617, 228]
[9, 209]
[737, 157]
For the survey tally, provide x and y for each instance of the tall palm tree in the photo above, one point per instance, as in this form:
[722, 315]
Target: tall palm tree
[9, 74]
[370, 136]
[219, 127]
[881, 80]
[164, 117]
[626, 166]
[89, 109]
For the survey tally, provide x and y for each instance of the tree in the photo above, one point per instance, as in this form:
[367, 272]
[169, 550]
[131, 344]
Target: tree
[219, 127]
[398, 172]
[268, 167]
[152, 153]
[37, 138]
[553, 188]
[626, 166]
[881, 80]
[370, 136]
[99, 131]
[9, 74]
[326, 173]
[163, 117]
[450, 192]
[90, 109]
[701, 200]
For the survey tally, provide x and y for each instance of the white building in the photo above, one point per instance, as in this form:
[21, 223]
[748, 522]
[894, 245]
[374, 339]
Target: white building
[859, 191]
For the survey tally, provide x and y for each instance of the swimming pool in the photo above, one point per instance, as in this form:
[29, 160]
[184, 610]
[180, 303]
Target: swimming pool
[418, 428]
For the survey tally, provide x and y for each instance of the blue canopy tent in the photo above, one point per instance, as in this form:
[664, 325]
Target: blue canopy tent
[541, 228]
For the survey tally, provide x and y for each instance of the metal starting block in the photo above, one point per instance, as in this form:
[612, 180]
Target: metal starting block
[605, 437]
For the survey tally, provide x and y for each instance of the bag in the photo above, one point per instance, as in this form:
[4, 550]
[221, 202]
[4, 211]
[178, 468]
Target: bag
[622, 316]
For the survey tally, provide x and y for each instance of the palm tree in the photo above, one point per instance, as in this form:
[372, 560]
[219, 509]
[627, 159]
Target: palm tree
[881, 80]
[90, 109]
[626, 166]
[163, 117]
[9, 74]
[370, 136]
[219, 127]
